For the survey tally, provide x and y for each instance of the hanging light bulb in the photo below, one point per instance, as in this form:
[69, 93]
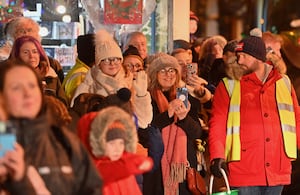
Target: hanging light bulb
[61, 9]
[66, 18]
[44, 31]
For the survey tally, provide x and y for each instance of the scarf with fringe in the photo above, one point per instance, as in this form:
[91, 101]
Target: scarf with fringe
[174, 159]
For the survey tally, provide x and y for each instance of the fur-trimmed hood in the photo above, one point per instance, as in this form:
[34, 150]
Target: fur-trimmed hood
[233, 69]
[99, 127]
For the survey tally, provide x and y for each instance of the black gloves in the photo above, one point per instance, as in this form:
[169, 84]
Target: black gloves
[216, 165]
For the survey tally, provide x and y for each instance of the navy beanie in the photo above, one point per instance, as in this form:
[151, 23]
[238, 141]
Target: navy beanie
[253, 46]
[133, 51]
[180, 43]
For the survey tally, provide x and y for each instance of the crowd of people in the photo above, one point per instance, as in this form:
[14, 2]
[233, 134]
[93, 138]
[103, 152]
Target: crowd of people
[123, 121]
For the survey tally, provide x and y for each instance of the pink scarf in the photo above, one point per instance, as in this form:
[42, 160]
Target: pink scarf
[174, 160]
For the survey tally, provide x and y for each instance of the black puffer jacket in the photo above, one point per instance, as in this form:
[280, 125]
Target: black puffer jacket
[59, 157]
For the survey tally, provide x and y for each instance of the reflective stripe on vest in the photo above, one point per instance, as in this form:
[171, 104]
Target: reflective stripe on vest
[286, 115]
[233, 143]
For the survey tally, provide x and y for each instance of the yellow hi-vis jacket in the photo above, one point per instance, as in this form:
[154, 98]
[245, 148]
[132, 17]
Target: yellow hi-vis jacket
[286, 115]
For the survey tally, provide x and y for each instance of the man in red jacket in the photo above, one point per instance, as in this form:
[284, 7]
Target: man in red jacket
[254, 126]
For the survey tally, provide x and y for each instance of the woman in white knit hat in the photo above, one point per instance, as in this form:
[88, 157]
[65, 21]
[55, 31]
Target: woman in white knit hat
[108, 76]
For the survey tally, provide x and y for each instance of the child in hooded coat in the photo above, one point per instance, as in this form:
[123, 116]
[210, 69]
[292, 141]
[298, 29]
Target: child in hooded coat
[110, 136]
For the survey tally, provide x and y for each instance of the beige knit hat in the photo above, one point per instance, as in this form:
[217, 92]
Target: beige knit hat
[106, 46]
[160, 61]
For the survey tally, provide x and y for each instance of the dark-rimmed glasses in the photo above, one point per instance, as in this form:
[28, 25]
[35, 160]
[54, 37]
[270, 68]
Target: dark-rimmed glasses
[136, 66]
[108, 61]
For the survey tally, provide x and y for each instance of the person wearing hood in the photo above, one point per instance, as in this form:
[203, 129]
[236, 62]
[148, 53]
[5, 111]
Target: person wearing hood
[30, 51]
[111, 137]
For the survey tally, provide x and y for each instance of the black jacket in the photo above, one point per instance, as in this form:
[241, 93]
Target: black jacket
[153, 183]
[59, 157]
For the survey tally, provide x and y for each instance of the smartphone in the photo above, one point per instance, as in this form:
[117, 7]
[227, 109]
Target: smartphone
[191, 70]
[7, 138]
[182, 94]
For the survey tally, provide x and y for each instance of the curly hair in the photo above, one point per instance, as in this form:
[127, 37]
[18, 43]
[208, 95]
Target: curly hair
[21, 22]
[57, 110]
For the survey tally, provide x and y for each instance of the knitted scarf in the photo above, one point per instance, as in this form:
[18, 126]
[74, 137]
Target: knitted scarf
[105, 85]
[174, 159]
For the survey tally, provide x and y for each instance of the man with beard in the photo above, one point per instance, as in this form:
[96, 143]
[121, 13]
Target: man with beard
[254, 126]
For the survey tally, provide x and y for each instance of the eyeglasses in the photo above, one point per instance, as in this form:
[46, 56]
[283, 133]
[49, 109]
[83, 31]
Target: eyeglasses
[170, 71]
[136, 66]
[108, 61]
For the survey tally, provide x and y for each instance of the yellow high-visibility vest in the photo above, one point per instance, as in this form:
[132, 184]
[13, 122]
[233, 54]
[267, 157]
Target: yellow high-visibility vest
[286, 115]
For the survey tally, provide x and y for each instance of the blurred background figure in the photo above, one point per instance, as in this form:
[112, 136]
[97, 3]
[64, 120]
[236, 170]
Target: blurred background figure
[196, 48]
[22, 26]
[211, 49]
[273, 44]
[138, 40]
[219, 66]
[84, 61]
[194, 27]
[30, 51]
[54, 154]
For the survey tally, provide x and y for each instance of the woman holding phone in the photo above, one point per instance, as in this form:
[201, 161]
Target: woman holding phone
[56, 162]
[12, 166]
[179, 126]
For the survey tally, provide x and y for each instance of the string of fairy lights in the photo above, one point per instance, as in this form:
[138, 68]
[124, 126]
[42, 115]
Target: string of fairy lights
[10, 9]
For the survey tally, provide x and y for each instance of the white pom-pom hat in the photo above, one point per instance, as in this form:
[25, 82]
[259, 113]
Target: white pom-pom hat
[106, 46]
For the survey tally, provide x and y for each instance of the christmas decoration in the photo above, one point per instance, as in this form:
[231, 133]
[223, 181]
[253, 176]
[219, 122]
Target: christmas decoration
[10, 9]
[95, 13]
[123, 11]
